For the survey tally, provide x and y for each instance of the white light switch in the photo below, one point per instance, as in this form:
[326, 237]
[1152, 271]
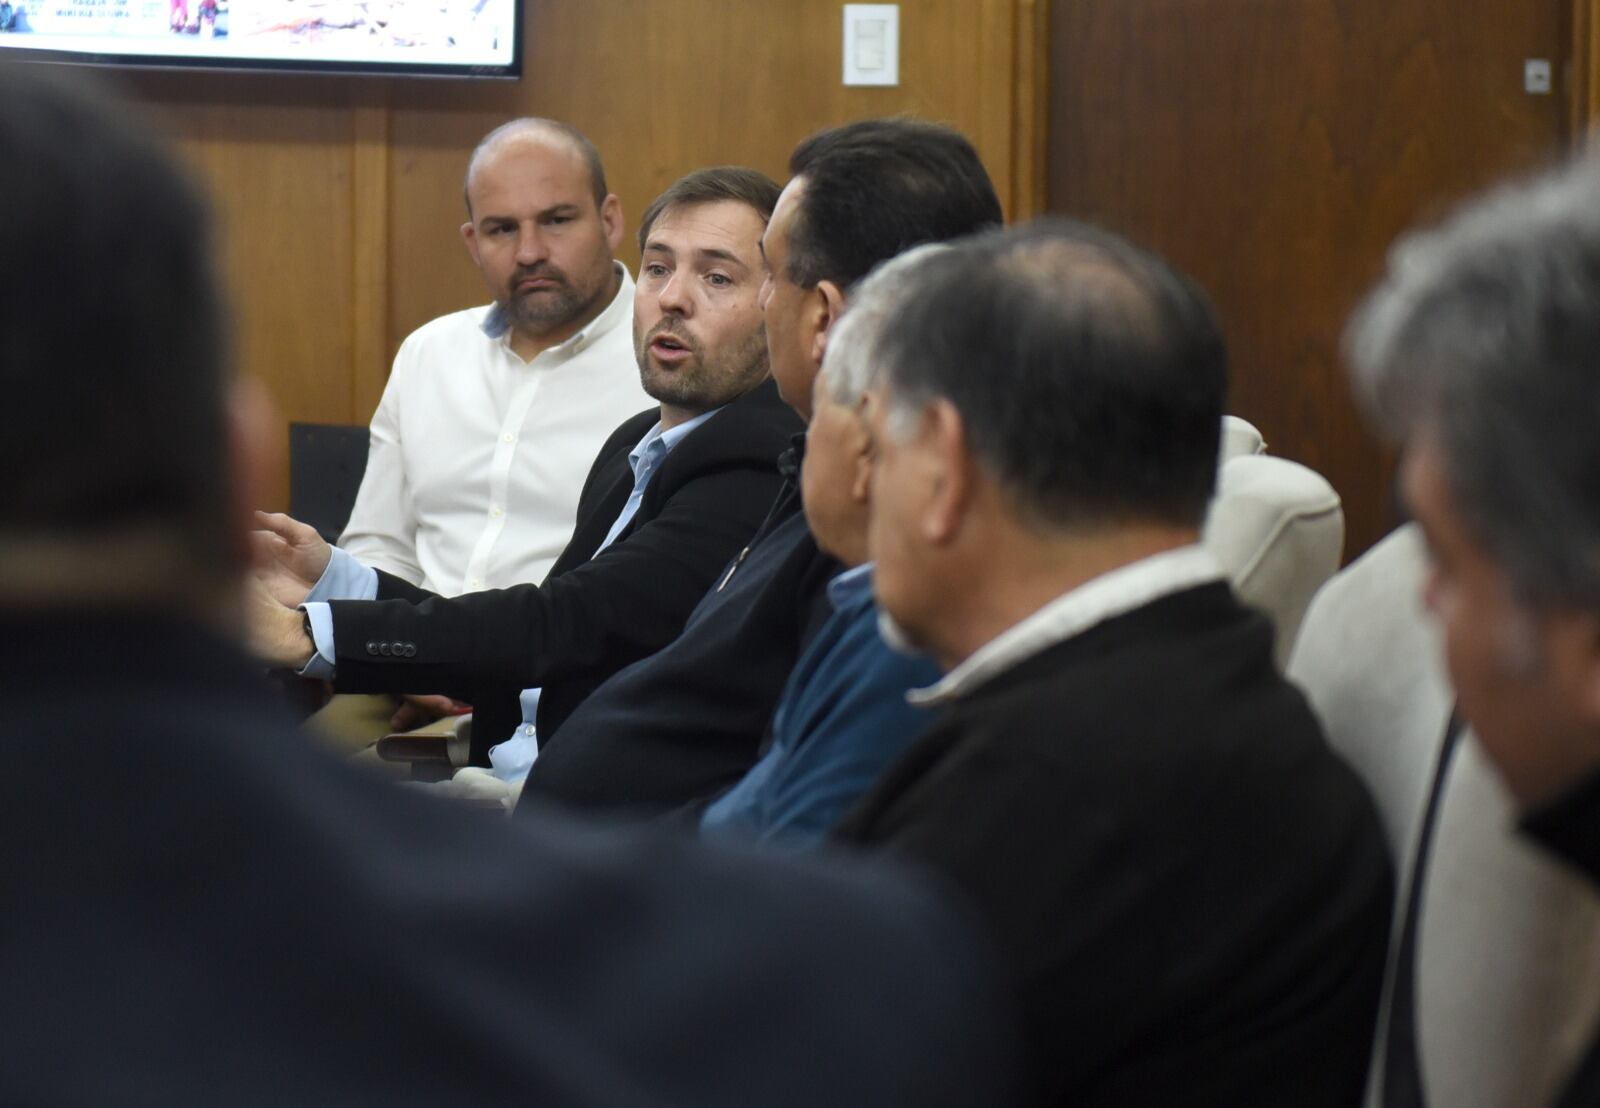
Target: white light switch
[1536, 76]
[872, 44]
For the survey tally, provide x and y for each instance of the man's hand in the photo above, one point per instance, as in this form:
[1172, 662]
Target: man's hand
[420, 710]
[289, 557]
[277, 633]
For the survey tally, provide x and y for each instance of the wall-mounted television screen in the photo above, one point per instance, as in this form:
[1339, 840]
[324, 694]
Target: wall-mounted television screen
[453, 38]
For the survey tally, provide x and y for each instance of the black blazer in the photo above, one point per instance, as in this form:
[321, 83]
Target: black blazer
[593, 614]
[199, 906]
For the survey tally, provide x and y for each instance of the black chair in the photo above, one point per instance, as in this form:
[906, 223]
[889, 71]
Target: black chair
[326, 463]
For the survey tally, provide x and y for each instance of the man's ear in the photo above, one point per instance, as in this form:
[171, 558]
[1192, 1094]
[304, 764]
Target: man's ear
[611, 219]
[469, 235]
[861, 447]
[827, 307]
[944, 439]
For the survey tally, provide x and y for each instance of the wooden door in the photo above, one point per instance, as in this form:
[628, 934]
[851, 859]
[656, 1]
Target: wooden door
[1273, 149]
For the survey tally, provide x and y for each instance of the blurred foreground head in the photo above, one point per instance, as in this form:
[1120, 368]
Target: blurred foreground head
[116, 458]
[1480, 353]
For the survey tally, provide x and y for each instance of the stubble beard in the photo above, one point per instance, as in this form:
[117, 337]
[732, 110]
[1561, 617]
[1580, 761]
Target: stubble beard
[701, 383]
[550, 309]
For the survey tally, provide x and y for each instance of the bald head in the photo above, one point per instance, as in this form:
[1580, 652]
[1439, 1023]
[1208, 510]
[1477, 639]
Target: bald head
[532, 132]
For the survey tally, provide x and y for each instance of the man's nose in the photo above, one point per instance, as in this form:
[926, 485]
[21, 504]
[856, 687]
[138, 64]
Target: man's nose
[531, 246]
[675, 295]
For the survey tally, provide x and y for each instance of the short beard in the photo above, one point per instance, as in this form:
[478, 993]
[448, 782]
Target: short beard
[706, 383]
[552, 309]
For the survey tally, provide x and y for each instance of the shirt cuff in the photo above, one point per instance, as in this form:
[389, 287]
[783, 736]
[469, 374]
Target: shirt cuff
[345, 579]
[322, 663]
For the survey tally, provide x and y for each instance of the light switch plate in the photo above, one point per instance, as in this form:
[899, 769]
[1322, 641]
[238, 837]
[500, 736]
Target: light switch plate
[1536, 76]
[872, 44]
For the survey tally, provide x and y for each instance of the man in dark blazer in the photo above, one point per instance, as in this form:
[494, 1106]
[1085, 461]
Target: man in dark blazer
[685, 723]
[672, 496]
[1190, 889]
[205, 909]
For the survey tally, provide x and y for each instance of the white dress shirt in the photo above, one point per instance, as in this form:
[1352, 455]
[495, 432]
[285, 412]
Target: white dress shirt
[477, 456]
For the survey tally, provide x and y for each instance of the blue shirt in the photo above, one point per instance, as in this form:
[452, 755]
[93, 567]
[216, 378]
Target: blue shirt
[842, 719]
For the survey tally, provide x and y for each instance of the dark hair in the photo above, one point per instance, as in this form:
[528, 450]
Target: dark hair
[1486, 332]
[878, 187]
[1090, 376]
[529, 124]
[111, 334]
[705, 186]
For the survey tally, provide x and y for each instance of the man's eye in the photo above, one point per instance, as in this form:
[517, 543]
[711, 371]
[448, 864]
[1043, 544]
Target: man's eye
[719, 280]
[655, 269]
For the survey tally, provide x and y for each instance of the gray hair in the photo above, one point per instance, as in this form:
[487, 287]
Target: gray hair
[1486, 332]
[850, 365]
[1088, 374]
[534, 127]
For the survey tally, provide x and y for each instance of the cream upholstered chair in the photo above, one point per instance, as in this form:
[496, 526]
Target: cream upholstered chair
[1505, 975]
[1275, 527]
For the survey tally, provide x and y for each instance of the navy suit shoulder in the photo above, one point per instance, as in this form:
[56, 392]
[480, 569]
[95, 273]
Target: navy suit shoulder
[201, 908]
[595, 613]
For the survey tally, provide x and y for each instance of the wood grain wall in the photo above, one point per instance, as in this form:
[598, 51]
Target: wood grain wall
[339, 199]
[1274, 148]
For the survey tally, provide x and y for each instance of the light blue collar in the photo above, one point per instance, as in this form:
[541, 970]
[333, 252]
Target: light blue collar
[667, 439]
[851, 584]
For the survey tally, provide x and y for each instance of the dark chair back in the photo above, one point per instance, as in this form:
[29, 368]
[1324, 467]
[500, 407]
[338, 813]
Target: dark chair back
[326, 463]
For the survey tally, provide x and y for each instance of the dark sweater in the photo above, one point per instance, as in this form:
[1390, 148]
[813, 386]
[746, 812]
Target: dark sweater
[201, 908]
[1191, 889]
[1570, 828]
[684, 724]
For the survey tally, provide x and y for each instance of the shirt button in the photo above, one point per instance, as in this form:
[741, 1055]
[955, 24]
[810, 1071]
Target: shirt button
[528, 730]
[509, 437]
[475, 582]
[495, 511]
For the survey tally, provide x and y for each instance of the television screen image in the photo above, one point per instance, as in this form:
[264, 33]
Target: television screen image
[443, 37]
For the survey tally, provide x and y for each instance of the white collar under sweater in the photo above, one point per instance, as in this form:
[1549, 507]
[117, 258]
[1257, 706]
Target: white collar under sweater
[1072, 613]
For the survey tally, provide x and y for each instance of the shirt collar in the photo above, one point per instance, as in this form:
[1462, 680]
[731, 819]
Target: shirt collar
[497, 322]
[850, 585]
[667, 439]
[1093, 602]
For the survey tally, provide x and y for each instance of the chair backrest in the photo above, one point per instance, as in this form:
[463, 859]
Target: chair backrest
[1506, 978]
[1239, 438]
[326, 464]
[1277, 530]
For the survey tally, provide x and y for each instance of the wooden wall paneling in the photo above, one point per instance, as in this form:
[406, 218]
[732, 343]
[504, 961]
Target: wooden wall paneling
[1031, 125]
[1274, 151]
[369, 250]
[1584, 69]
[665, 87]
[276, 158]
[338, 199]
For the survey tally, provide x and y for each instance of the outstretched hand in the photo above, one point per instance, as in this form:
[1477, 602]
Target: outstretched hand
[290, 557]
